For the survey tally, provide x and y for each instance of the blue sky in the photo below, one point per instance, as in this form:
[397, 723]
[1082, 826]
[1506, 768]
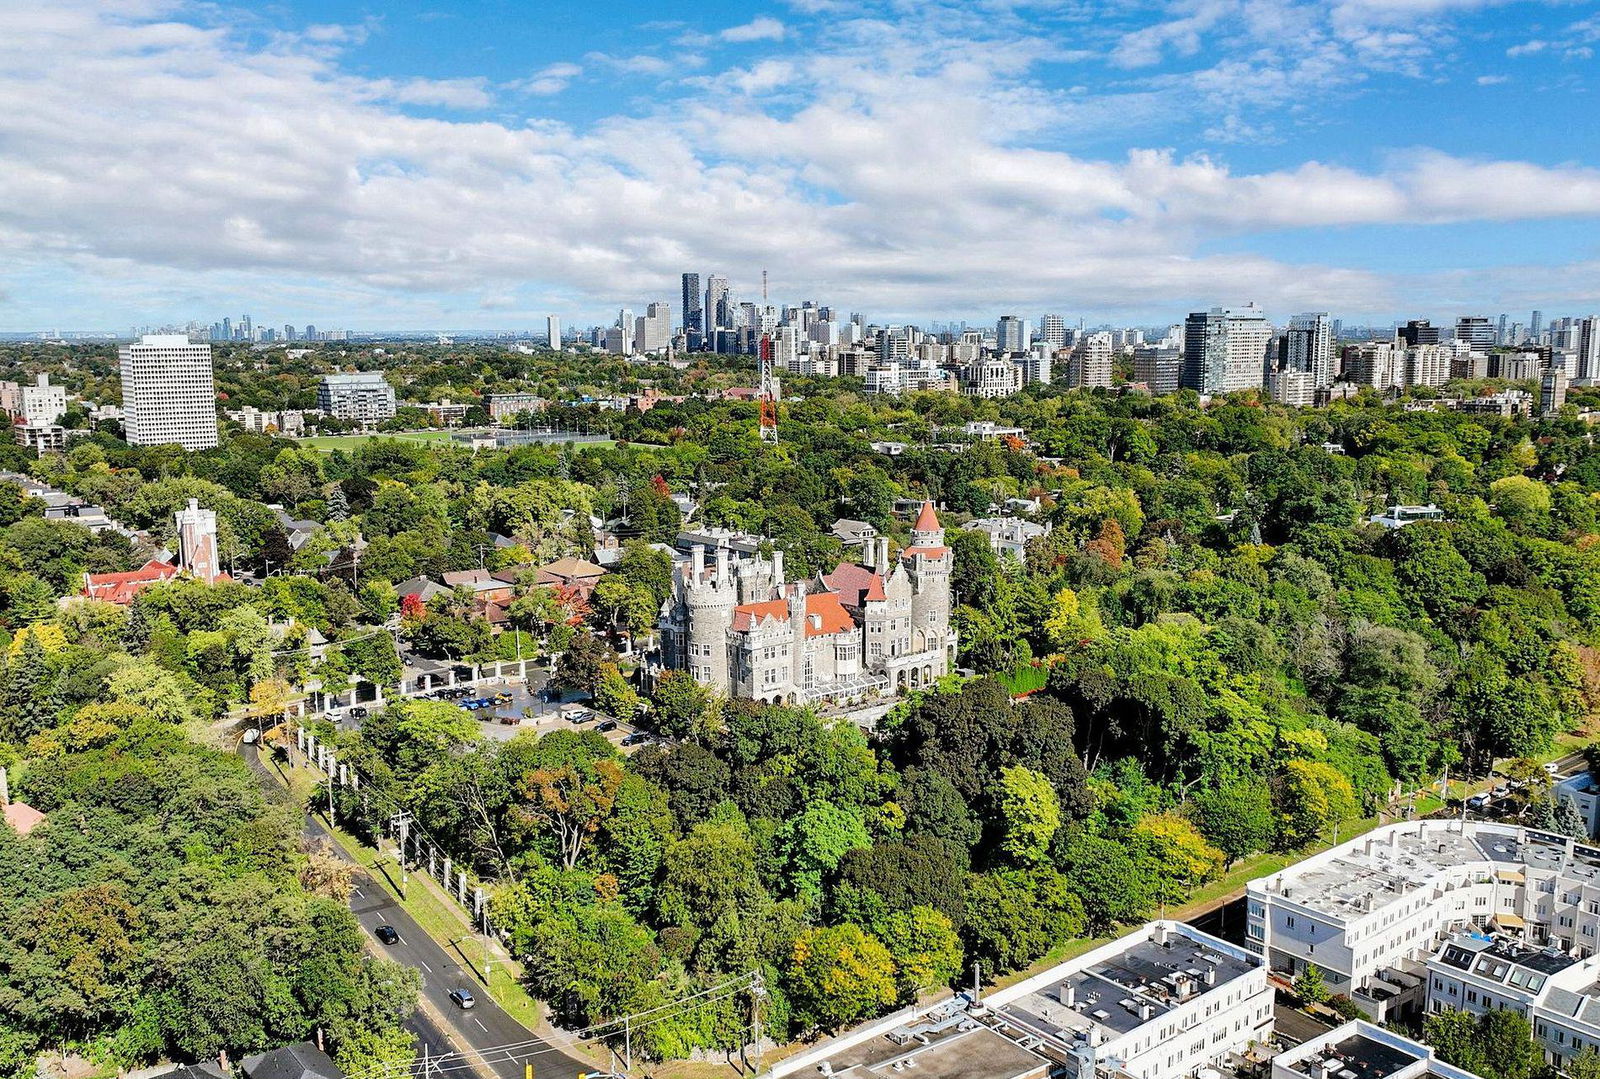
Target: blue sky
[425, 164]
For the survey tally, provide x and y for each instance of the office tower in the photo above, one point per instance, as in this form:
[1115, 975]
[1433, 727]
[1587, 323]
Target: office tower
[1090, 365]
[1587, 349]
[42, 403]
[693, 311]
[363, 396]
[1419, 331]
[1476, 331]
[1010, 335]
[1308, 347]
[1552, 391]
[216, 332]
[1338, 329]
[717, 313]
[1536, 326]
[1158, 367]
[289, 333]
[311, 332]
[552, 331]
[1053, 330]
[1225, 349]
[1500, 331]
[227, 329]
[197, 542]
[653, 329]
[246, 330]
[167, 392]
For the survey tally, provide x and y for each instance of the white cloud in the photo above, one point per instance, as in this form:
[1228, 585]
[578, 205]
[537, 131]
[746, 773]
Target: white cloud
[1528, 48]
[905, 169]
[550, 79]
[646, 64]
[1493, 80]
[761, 28]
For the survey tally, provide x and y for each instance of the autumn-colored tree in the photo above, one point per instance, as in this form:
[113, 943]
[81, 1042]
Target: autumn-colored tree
[1110, 545]
[571, 800]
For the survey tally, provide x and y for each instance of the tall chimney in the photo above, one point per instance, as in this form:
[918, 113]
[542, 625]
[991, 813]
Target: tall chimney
[883, 555]
[777, 568]
[699, 562]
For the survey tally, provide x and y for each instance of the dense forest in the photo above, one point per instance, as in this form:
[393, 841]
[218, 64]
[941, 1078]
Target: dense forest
[1225, 658]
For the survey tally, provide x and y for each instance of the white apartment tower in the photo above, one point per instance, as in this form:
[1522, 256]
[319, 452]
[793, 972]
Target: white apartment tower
[1225, 349]
[168, 395]
[552, 331]
[1091, 362]
[1309, 347]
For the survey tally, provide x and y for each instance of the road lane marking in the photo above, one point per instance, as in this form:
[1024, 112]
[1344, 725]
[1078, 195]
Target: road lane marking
[481, 1027]
[425, 966]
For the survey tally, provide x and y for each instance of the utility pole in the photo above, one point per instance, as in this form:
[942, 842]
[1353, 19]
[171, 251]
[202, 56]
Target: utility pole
[402, 824]
[758, 990]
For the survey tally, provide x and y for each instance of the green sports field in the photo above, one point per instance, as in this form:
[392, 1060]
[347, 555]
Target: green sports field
[350, 442]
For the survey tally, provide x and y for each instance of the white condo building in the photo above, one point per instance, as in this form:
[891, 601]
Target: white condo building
[362, 396]
[1226, 349]
[168, 394]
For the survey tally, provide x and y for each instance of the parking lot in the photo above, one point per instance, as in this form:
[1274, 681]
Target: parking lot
[506, 711]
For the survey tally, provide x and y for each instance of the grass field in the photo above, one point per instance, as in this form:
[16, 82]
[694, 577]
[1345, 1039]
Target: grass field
[350, 442]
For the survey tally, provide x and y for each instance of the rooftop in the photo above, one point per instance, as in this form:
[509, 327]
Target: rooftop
[944, 1046]
[1357, 1057]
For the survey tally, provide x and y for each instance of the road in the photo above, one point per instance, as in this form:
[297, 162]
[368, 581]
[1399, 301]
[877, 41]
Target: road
[483, 1027]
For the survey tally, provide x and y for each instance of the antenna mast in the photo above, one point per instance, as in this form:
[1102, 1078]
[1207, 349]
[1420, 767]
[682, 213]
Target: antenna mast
[767, 395]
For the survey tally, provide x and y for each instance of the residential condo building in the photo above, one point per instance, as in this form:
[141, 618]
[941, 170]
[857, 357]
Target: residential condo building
[168, 392]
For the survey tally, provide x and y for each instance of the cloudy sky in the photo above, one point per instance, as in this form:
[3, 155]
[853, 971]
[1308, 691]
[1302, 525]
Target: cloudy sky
[416, 163]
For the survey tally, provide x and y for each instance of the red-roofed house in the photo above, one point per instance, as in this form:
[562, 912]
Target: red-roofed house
[22, 818]
[120, 588]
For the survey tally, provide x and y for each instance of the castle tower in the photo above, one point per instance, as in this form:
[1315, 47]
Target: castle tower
[197, 542]
[708, 601]
[928, 562]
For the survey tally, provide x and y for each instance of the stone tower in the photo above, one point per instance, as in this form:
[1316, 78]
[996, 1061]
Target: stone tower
[708, 600]
[928, 562]
[197, 542]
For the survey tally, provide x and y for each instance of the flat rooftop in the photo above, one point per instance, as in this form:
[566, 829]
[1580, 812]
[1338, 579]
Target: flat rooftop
[1374, 871]
[1120, 993]
[1358, 1057]
[942, 1047]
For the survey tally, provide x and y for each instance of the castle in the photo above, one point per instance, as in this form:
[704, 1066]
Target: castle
[740, 628]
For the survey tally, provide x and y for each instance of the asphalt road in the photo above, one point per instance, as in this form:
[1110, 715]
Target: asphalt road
[485, 1026]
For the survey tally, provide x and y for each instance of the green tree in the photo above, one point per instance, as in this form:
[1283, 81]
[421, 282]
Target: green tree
[924, 946]
[839, 976]
[1310, 987]
[1030, 814]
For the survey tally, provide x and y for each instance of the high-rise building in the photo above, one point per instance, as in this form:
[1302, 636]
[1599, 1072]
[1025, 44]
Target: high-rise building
[652, 331]
[1424, 365]
[1552, 391]
[290, 333]
[227, 329]
[718, 314]
[552, 331]
[1586, 341]
[311, 331]
[1053, 330]
[1378, 364]
[1158, 367]
[168, 392]
[693, 309]
[1536, 326]
[363, 396]
[42, 404]
[1477, 331]
[1225, 349]
[1091, 362]
[1500, 331]
[1011, 334]
[1419, 331]
[1308, 347]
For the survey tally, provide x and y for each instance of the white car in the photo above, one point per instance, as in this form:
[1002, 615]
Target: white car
[333, 715]
[1552, 768]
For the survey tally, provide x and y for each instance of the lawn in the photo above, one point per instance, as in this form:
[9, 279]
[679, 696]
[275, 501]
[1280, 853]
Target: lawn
[328, 443]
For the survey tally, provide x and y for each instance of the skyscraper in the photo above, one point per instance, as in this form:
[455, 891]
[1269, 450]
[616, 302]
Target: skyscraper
[1053, 329]
[1309, 347]
[168, 394]
[693, 313]
[717, 315]
[1011, 334]
[552, 331]
[1225, 349]
[1536, 326]
[1419, 331]
[1587, 366]
[1091, 362]
[1476, 331]
[653, 329]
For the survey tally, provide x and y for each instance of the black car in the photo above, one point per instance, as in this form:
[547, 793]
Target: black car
[606, 725]
[358, 712]
[463, 998]
[387, 934]
[635, 738]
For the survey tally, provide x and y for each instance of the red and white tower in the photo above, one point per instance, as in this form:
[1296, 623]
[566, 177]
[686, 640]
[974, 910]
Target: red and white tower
[767, 395]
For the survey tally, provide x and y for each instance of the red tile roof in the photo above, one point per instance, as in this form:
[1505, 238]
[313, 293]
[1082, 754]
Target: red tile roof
[855, 584]
[926, 552]
[23, 818]
[120, 588]
[927, 520]
[824, 614]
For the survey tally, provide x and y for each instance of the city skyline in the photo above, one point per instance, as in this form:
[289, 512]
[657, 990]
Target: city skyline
[428, 169]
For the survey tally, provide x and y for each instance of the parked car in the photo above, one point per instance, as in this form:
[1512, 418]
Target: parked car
[334, 715]
[358, 712]
[607, 725]
[635, 738]
[251, 737]
[463, 998]
[1552, 768]
[577, 715]
[387, 934]
[1501, 790]
[1478, 801]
